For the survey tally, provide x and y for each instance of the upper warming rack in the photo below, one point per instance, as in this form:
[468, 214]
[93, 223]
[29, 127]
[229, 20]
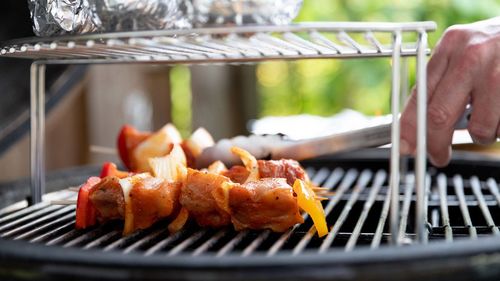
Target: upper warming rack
[222, 44]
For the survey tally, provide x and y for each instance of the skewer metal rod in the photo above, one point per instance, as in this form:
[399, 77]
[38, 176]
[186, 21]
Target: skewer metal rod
[37, 132]
[420, 164]
[395, 104]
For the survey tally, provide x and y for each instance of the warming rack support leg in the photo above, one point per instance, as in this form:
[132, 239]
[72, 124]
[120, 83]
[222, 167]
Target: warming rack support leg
[420, 162]
[37, 132]
[395, 135]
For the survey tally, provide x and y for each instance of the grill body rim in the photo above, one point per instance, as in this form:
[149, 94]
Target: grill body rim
[461, 260]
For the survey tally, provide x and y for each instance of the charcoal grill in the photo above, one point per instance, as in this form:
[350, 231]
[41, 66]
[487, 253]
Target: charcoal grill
[463, 211]
[388, 223]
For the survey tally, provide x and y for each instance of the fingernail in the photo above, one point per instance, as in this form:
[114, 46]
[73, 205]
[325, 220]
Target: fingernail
[404, 147]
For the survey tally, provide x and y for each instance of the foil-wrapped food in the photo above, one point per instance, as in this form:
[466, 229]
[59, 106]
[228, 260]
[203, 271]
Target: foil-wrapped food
[57, 17]
[242, 12]
[52, 17]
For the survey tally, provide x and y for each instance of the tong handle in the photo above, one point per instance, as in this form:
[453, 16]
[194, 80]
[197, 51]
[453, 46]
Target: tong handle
[363, 138]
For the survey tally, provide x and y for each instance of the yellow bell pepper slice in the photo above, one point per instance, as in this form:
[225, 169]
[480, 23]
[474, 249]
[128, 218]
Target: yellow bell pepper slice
[306, 198]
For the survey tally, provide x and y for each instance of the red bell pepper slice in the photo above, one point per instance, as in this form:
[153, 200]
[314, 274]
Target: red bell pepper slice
[86, 215]
[128, 138]
[109, 169]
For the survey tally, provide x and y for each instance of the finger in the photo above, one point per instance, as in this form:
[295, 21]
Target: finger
[446, 105]
[483, 124]
[436, 68]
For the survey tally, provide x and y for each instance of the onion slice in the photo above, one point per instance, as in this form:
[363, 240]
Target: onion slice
[171, 167]
[179, 221]
[127, 184]
[157, 145]
[217, 167]
[249, 161]
[199, 140]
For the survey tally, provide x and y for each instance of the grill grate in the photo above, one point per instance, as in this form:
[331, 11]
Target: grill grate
[224, 44]
[457, 207]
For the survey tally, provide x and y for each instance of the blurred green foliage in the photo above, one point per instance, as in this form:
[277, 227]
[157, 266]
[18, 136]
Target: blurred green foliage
[324, 87]
[180, 94]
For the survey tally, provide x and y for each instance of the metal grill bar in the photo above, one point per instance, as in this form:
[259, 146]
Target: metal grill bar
[255, 243]
[23, 212]
[380, 178]
[145, 240]
[442, 186]
[377, 238]
[47, 218]
[319, 49]
[100, 240]
[158, 246]
[184, 244]
[209, 243]
[123, 241]
[79, 239]
[421, 150]
[476, 188]
[346, 183]
[405, 210]
[459, 191]
[73, 232]
[231, 244]
[395, 135]
[370, 37]
[29, 217]
[360, 186]
[69, 225]
[37, 132]
[49, 225]
[493, 186]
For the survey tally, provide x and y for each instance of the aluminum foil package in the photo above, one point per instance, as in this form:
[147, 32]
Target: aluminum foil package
[57, 17]
[242, 12]
[53, 17]
[127, 15]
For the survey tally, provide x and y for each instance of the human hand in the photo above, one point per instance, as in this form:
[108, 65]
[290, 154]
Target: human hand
[464, 69]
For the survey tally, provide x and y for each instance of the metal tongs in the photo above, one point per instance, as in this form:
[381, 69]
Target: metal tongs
[279, 147]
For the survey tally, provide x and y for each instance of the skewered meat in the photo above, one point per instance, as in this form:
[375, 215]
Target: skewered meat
[107, 198]
[266, 203]
[153, 199]
[284, 168]
[197, 198]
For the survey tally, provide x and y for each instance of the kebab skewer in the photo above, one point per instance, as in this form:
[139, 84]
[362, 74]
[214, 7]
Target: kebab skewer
[259, 195]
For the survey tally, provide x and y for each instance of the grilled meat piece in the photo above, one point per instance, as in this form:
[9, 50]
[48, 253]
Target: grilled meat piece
[107, 198]
[153, 199]
[196, 197]
[284, 168]
[267, 203]
[237, 174]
